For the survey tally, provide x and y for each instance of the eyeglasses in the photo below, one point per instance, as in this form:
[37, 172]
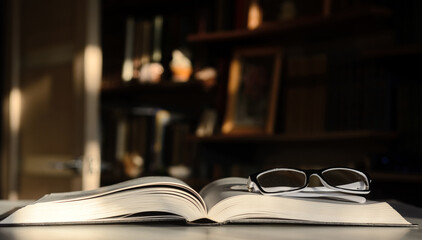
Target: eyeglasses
[280, 181]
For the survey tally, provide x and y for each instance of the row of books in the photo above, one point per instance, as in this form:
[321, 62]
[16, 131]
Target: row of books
[354, 92]
[325, 92]
[143, 141]
[305, 93]
[151, 40]
[142, 45]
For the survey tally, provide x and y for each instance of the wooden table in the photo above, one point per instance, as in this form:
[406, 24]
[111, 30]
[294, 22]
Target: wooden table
[245, 231]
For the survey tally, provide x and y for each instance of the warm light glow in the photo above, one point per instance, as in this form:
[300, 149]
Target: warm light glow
[15, 104]
[254, 15]
[93, 63]
[92, 80]
[227, 126]
[15, 109]
[92, 159]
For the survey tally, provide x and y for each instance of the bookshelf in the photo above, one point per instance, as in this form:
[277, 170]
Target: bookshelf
[351, 22]
[340, 84]
[396, 177]
[395, 52]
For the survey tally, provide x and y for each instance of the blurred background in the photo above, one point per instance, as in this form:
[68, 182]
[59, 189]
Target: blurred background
[100, 91]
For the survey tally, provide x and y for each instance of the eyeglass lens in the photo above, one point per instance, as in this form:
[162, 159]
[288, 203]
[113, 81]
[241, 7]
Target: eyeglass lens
[346, 179]
[281, 180]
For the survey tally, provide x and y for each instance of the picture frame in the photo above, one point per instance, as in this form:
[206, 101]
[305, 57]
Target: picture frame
[252, 90]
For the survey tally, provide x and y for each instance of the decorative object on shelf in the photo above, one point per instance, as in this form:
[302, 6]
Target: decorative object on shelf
[207, 76]
[151, 73]
[252, 91]
[180, 66]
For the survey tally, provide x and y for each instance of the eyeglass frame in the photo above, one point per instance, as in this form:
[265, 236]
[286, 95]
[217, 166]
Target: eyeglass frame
[253, 181]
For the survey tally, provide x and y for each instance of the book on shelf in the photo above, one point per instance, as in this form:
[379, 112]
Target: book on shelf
[143, 45]
[152, 199]
[305, 93]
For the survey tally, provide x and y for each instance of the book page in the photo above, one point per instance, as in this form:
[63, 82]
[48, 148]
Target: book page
[227, 187]
[222, 189]
[229, 201]
[156, 202]
[126, 200]
[134, 183]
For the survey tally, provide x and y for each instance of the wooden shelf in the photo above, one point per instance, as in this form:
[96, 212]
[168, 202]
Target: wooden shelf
[120, 87]
[394, 51]
[317, 137]
[351, 21]
[149, 7]
[166, 94]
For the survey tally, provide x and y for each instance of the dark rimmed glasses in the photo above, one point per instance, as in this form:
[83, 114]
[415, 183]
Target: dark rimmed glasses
[280, 181]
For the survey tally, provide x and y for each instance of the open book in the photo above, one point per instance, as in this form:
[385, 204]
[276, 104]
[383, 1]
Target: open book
[222, 201]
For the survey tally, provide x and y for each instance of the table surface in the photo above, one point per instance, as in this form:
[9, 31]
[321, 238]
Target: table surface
[231, 231]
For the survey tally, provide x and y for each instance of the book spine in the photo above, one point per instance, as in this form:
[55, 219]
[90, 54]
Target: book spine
[241, 14]
[157, 39]
[127, 70]
[137, 51]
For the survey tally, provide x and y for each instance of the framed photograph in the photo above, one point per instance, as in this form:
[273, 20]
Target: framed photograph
[252, 91]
